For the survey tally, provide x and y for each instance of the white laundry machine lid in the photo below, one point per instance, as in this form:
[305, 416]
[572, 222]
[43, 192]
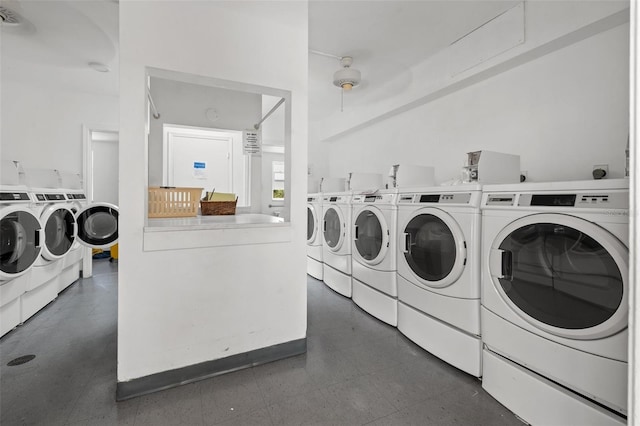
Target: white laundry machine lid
[20, 238]
[562, 274]
[98, 225]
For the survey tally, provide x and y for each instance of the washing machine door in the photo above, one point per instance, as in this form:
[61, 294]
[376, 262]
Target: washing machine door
[59, 231]
[334, 228]
[20, 237]
[433, 247]
[312, 223]
[98, 225]
[563, 274]
[370, 236]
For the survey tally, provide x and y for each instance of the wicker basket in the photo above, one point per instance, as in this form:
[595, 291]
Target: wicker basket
[210, 208]
[173, 202]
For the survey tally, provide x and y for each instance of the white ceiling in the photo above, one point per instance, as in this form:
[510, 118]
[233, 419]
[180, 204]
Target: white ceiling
[385, 38]
[56, 41]
[59, 38]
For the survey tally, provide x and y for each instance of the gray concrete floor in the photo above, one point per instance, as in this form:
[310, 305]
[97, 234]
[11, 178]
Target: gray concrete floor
[357, 371]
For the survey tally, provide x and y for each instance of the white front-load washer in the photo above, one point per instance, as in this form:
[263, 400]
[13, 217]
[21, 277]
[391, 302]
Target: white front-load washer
[555, 300]
[21, 236]
[59, 233]
[439, 272]
[314, 236]
[336, 241]
[373, 254]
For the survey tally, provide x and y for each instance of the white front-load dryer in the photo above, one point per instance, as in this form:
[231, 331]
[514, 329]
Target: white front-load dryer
[314, 236]
[439, 272]
[21, 239]
[336, 241]
[373, 254]
[97, 221]
[555, 295]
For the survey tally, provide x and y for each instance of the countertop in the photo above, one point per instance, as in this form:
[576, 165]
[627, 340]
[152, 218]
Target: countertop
[247, 220]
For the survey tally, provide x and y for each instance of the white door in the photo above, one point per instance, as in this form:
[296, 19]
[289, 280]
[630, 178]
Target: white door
[200, 162]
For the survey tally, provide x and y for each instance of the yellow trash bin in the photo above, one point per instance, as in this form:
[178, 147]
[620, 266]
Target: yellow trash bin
[114, 251]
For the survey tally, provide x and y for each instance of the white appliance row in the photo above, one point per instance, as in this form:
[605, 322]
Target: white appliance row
[524, 285]
[43, 232]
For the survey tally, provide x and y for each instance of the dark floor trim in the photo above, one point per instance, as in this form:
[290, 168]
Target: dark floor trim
[204, 370]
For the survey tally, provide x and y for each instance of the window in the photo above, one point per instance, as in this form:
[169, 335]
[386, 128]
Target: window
[277, 180]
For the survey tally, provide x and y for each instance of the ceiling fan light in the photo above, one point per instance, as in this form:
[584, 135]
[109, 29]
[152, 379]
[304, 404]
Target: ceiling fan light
[346, 76]
[347, 86]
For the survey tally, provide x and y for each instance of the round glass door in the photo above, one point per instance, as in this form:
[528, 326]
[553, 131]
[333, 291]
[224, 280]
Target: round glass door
[59, 232]
[565, 275]
[333, 229]
[98, 225]
[311, 224]
[370, 236]
[434, 247]
[20, 233]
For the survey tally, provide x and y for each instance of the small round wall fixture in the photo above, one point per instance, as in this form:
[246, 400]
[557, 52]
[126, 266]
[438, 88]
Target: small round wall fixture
[211, 114]
[99, 66]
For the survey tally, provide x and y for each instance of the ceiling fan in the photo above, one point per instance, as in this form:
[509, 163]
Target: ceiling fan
[346, 78]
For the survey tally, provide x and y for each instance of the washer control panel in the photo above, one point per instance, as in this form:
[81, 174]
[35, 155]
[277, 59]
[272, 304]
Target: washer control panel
[336, 199]
[13, 197]
[612, 200]
[374, 199]
[50, 197]
[451, 198]
[563, 200]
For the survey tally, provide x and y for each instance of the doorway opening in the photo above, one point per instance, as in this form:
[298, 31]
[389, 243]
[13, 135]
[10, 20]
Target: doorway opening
[100, 174]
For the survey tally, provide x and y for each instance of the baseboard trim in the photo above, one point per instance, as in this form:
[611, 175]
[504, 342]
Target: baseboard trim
[204, 370]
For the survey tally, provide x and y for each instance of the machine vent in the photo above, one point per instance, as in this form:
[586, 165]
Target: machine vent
[8, 16]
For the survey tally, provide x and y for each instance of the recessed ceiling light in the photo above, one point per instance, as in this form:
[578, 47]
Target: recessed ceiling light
[99, 66]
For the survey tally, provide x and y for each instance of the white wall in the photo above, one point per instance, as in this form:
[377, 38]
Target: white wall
[42, 125]
[318, 159]
[185, 104]
[562, 113]
[182, 307]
